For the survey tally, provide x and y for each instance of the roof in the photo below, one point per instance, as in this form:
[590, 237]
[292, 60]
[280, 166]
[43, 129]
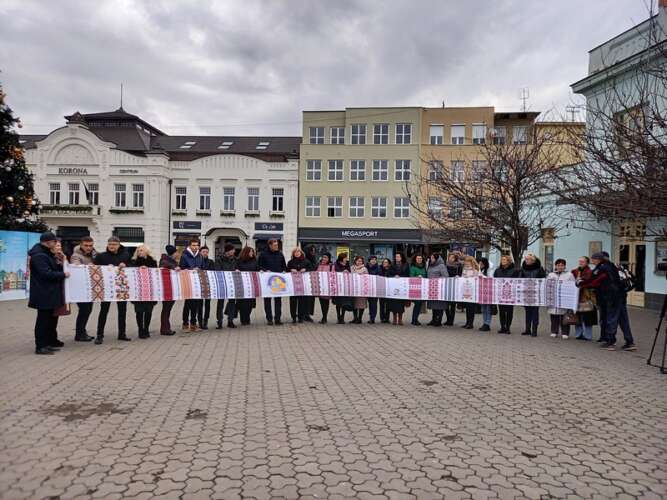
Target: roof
[506, 115]
[28, 141]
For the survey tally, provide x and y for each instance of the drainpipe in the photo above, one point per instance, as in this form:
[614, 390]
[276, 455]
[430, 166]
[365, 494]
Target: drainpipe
[170, 182]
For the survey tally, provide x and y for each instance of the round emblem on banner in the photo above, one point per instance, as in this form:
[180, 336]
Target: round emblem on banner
[277, 284]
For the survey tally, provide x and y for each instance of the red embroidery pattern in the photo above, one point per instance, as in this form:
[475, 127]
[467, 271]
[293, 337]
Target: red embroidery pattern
[96, 283]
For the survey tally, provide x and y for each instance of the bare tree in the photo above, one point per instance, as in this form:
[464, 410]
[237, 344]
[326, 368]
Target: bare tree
[496, 198]
[623, 175]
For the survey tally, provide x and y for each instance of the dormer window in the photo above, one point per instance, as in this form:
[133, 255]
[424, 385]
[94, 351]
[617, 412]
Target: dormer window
[226, 145]
[262, 145]
[188, 144]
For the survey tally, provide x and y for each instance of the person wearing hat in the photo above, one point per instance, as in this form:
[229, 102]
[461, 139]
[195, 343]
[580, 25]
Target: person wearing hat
[167, 261]
[226, 262]
[46, 292]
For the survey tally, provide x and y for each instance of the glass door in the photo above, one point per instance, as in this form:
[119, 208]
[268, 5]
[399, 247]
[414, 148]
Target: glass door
[632, 256]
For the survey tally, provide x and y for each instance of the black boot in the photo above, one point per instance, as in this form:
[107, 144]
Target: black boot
[230, 323]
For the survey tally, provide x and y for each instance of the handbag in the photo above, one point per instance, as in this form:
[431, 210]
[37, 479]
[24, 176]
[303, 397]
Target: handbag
[63, 310]
[570, 318]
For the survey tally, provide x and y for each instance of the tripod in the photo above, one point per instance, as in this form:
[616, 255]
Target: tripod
[655, 339]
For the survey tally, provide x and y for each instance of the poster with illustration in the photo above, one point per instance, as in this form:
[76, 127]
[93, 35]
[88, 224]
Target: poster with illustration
[14, 276]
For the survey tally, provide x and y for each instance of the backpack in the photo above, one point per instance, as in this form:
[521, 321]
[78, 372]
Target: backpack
[628, 280]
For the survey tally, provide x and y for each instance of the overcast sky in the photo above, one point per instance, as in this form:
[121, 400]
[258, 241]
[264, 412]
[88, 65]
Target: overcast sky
[250, 67]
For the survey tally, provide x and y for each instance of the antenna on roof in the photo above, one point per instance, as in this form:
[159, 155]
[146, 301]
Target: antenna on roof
[121, 96]
[572, 110]
[524, 94]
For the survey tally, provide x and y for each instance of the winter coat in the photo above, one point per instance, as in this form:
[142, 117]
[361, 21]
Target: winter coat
[402, 270]
[564, 276]
[207, 264]
[168, 262]
[107, 258]
[272, 261]
[46, 279]
[470, 272]
[360, 302]
[373, 270]
[340, 268]
[606, 281]
[247, 266]
[299, 264]
[225, 263]
[311, 255]
[484, 266]
[534, 270]
[416, 271]
[437, 270]
[506, 272]
[454, 270]
[190, 260]
[147, 261]
[342, 301]
[586, 310]
[79, 258]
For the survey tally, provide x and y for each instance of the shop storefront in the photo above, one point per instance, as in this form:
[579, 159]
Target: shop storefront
[365, 242]
[265, 231]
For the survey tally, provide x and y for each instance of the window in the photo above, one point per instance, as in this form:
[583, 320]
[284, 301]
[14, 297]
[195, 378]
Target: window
[335, 170]
[437, 132]
[359, 133]
[520, 135]
[335, 206]
[499, 171]
[458, 134]
[402, 171]
[380, 170]
[381, 133]
[357, 170]
[317, 135]
[378, 207]
[226, 145]
[181, 197]
[478, 170]
[479, 134]
[262, 145]
[204, 198]
[253, 199]
[434, 206]
[54, 193]
[228, 195]
[73, 188]
[435, 169]
[357, 206]
[455, 209]
[312, 206]
[277, 199]
[337, 135]
[94, 194]
[314, 170]
[138, 195]
[401, 207]
[187, 144]
[403, 133]
[120, 195]
[499, 135]
[458, 171]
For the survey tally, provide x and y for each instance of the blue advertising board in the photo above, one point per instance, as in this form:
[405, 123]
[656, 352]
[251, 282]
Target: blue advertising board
[14, 276]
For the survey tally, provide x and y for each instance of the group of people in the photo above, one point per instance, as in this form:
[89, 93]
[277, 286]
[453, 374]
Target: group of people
[602, 298]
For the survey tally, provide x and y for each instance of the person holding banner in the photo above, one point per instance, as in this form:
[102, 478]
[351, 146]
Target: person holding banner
[436, 269]
[386, 270]
[359, 303]
[226, 262]
[343, 304]
[298, 306]
[83, 255]
[401, 269]
[115, 255]
[324, 267]
[374, 270]
[191, 259]
[454, 269]
[247, 262]
[272, 260]
[167, 261]
[506, 269]
[204, 311]
[46, 292]
[470, 270]
[143, 310]
[417, 270]
[532, 268]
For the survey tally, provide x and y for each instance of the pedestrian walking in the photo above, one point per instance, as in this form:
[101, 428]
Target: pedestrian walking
[470, 270]
[298, 305]
[531, 267]
[143, 310]
[226, 262]
[204, 311]
[486, 309]
[324, 267]
[374, 270]
[359, 303]
[167, 261]
[191, 259]
[114, 255]
[273, 260]
[417, 270]
[557, 314]
[247, 262]
[436, 269]
[587, 315]
[83, 255]
[342, 265]
[47, 278]
[506, 269]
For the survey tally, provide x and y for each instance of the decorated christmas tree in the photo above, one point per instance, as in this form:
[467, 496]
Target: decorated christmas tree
[18, 204]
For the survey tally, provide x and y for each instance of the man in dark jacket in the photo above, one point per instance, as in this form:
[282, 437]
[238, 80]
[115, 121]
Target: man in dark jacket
[226, 262]
[191, 259]
[374, 270]
[454, 268]
[167, 261]
[204, 312]
[115, 255]
[273, 260]
[311, 255]
[83, 255]
[46, 292]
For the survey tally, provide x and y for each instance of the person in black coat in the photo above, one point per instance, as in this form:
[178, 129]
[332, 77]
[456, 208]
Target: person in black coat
[167, 261]
[531, 267]
[342, 265]
[273, 260]
[46, 292]
[191, 259]
[204, 311]
[247, 262]
[506, 269]
[115, 255]
[386, 270]
[311, 255]
[298, 306]
[401, 269]
[226, 262]
[374, 270]
[143, 310]
[454, 269]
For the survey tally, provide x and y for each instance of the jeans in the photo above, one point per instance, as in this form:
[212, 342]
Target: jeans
[602, 309]
[324, 305]
[450, 312]
[416, 309]
[165, 325]
[45, 328]
[372, 308]
[486, 314]
[506, 314]
[143, 312]
[613, 306]
[585, 331]
[624, 321]
[384, 310]
[85, 309]
[532, 319]
[104, 312]
[278, 306]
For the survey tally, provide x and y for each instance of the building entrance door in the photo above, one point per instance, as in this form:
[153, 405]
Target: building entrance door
[631, 254]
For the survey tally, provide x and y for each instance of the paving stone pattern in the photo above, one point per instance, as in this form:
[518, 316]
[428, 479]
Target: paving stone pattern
[329, 411]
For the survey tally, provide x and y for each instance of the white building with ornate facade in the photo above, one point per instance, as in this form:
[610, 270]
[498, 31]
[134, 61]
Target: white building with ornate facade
[112, 173]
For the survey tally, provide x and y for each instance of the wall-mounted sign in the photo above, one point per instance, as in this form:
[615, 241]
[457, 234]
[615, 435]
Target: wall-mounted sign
[268, 226]
[72, 171]
[187, 224]
[128, 171]
[362, 234]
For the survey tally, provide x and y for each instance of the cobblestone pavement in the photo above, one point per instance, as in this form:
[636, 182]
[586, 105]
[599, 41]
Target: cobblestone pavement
[329, 411]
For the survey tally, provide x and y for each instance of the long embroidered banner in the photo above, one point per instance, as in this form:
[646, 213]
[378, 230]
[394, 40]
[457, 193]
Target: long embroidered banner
[106, 283]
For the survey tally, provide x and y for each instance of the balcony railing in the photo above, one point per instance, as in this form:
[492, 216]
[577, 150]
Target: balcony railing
[68, 210]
